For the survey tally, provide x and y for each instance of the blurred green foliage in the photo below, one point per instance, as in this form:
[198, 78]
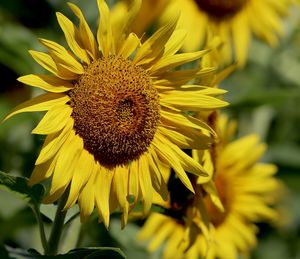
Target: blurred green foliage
[264, 98]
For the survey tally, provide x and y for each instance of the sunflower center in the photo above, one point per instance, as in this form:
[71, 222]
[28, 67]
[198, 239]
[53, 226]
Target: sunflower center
[220, 8]
[217, 217]
[115, 110]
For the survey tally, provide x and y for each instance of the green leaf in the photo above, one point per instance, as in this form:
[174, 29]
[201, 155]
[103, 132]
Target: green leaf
[11, 226]
[79, 253]
[49, 210]
[96, 252]
[19, 253]
[19, 186]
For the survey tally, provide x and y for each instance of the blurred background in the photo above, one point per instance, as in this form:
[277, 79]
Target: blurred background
[264, 98]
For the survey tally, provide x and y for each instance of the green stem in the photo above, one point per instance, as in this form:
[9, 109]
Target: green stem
[41, 227]
[57, 227]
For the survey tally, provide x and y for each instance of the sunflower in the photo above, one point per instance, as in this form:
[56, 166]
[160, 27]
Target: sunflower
[116, 114]
[247, 190]
[145, 18]
[233, 20]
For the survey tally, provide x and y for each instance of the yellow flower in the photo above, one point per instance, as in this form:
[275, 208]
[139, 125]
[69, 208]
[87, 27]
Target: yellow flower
[116, 114]
[233, 20]
[247, 190]
[145, 18]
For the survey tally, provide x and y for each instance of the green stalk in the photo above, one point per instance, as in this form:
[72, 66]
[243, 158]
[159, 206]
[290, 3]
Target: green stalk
[41, 227]
[57, 228]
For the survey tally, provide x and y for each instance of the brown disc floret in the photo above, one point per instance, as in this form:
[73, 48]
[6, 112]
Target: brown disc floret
[221, 9]
[115, 110]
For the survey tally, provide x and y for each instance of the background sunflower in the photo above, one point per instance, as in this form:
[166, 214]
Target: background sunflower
[249, 194]
[264, 99]
[235, 21]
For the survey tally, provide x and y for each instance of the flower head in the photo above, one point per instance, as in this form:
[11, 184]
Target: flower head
[233, 20]
[247, 190]
[116, 114]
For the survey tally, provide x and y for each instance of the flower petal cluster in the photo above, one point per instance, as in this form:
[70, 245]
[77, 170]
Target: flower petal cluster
[234, 21]
[117, 120]
[219, 221]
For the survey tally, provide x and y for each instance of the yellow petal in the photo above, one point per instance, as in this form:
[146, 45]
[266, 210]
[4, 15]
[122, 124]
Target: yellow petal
[103, 181]
[157, 180]
[134, 180]
[54, 120]
[241, 35]
[173, 242]
[187, 163]
[61, 56]
[82, 173]
[265, 169]
[164, 168]
[175, 42]
[205, 158]
[113, 201]
[87, 197]
[145, 184]
[272, 21]
[233, 151]
[152, 160]
[72, 37]
[173, 61]
[184, 141]
[49, 64]
[244, 237]
[224, 30]
[161, 199]
[151, 226]
[104, 33]
[121, 20]
[167, 154]
[129, 46]
[197, 27]
[190, 101]
[212, 191]
[42, 102]
[179, 120]
[54, 196]
[163, 232]
[153, 47]
[53, 143]
[42, 171]
[181, 77]
[252, 157]
[120, 185]
[223, 74]
[66, 162]
[87, 38]
[46, 82]
[44, 60]
[203, 90]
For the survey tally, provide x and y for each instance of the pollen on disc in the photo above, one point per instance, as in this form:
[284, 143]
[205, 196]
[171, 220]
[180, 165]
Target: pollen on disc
[115, 110]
